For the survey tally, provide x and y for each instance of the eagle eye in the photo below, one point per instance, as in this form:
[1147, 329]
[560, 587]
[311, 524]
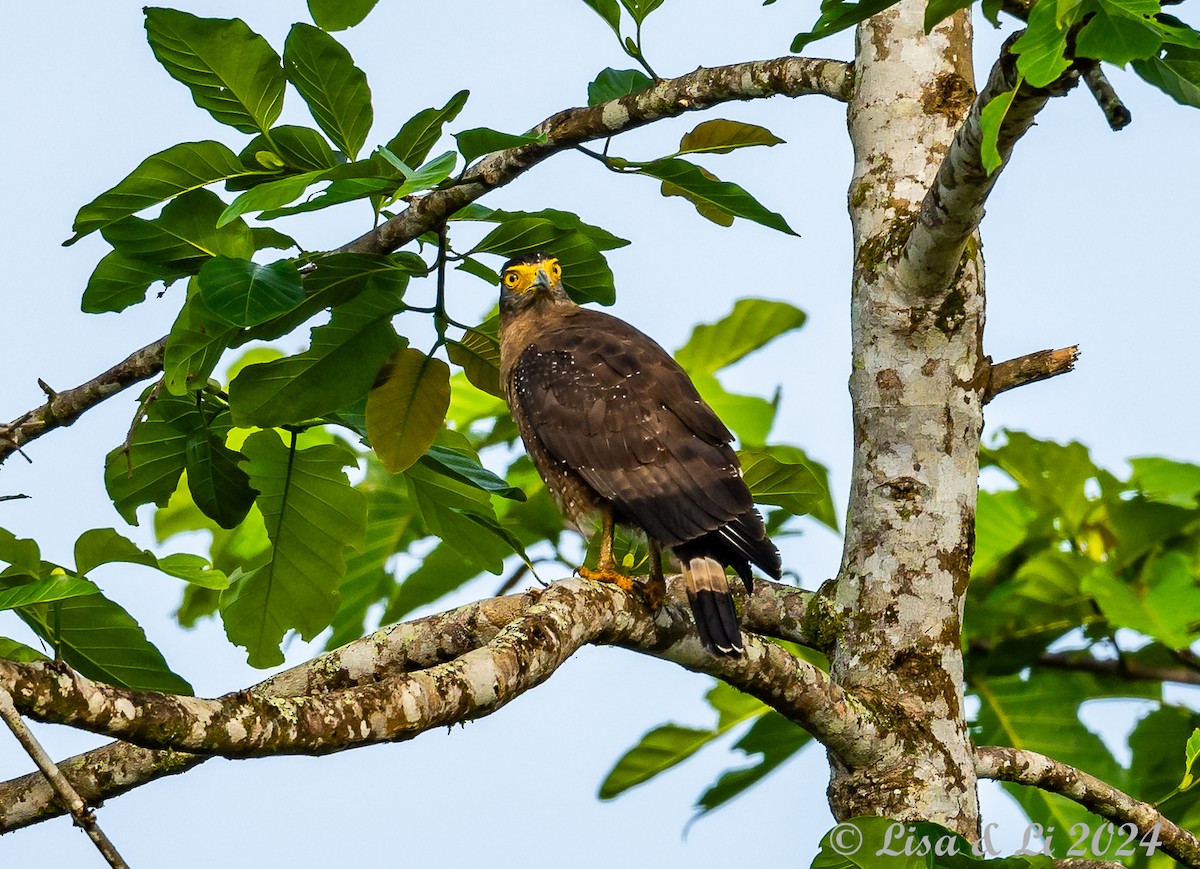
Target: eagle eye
[555, 269]
[510, 279]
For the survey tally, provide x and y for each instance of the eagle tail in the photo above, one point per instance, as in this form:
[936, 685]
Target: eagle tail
[712, 605]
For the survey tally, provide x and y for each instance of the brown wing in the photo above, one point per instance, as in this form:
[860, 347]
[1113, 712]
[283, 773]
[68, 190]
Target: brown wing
[613, 406]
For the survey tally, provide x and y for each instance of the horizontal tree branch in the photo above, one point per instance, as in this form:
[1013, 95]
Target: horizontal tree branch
[1036, 770]
[774, 609]
[953, 207]
[698, 90]
[64, 408]
[1121, 668]
[1042, 365]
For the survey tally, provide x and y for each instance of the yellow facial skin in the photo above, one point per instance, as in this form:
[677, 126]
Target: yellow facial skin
[524, 278]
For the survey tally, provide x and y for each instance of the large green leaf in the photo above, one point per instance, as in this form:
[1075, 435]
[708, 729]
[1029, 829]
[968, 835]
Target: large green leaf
[747, 416]
[159, 177]
[1052, 476]
[97, 637]
[184, 235]
[14, 651]
[773, 737]
[422, 131]
[58, 586]
[639, 9]
[609, 11]
[789, 485]
[1120, 31]
[339, 14]
[195, 344]
[1176, 73]
[300, 149]
[339, 367]
[751, 325]
[1041, 49]
[478, 141]
[231, 71]
[99, 546]
[464, 465]
[335, 89]
[1167, 481]
[244, 293]
[270, 196]
[611, 84]
[719, 136]
[313, 516]
[461, 514]
[1163, 605]
[707, 190]
[218, 485]
[838, 16]
[1002, 521]
[21, 553]
[586, 275]
[479, 356]
[118, 282]
[565, 221]
[407, 406]
[668, 745]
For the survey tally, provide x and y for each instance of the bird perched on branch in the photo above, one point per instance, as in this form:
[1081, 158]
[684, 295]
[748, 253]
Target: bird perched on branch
[618, 432]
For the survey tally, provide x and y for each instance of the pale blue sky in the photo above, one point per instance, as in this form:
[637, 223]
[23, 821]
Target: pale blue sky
[1089, 239]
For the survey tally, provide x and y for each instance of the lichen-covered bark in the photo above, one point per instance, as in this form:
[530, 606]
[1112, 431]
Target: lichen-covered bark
[916, 386]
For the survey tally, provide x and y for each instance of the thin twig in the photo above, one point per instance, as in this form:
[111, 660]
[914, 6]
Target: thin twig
[1030, 368]
[84, 818]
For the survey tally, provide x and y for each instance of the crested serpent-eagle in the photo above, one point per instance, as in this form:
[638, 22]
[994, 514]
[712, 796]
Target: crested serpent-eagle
[618, 432]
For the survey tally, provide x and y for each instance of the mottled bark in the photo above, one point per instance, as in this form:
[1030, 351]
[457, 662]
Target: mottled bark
[916, 385]
[1036, 770]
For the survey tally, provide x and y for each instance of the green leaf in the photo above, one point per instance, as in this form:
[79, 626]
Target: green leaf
[184, 235]
[102, 641]
[937, 11]
[338, 368]
[750, 326]
[178, 169]
[244, 293]
[194, 345]
[775, 738]
[1119, 32]
[270, 196]
[57, 587]
[479, 356]
[14, 651]
[836, 17]
[1041, 49]
[218, 485]
[1002, 521]
[406, 407]
[422, 131]
[20, 552]
[301, 149]
[639, 9]
[231, 71]
[1053, 476]
[990, 120]
[1176, 73]
[747, 416]
[586, 275]
[428, 175]
[118, 282]
[612, 84]
[1165, 608]
[266, 238]
[339, 14]
[719, 136]
[724, 195]
[791, 486]
[480, 140]
[442, 571]
[1166, 481]
[609, 11]
[457, 511]
[100, 546]
[335, 89]
[668, 745]
[343, 190]
[565, 221]
[1191, 752]
[313, 516]
[466, 467]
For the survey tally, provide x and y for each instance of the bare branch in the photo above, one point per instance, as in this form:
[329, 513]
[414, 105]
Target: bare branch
[376, 662]
[1042, 365]
[1115, 111]
[1121, 667]
[64, 408]
[702, 89]
[79, 811]
[953, 207]
[1036, 770]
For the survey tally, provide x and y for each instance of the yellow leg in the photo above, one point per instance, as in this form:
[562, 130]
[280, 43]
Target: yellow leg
[606, 568]
[655, 588]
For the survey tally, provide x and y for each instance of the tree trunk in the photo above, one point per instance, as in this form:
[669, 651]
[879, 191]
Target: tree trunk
[917, 388]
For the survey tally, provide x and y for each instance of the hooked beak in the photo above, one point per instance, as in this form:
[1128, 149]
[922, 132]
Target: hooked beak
[542, 279]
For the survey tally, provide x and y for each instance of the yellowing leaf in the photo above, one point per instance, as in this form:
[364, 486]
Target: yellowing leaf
[407, 407]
